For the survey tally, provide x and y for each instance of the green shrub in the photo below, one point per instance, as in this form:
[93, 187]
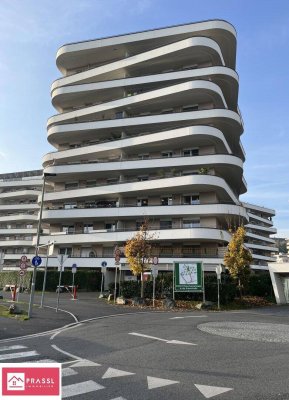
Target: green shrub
[13, 277]
[85, 280]
[260, 285]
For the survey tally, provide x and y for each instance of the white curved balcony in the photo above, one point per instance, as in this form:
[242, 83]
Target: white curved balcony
[81, 214]
[19, 217]
[260, 247]
[19, 194]
[15, 243]
[103, 236]
[18, 231]
[13, 183]
[177, 95]
[17, 256]
[106, 49]
[263, 258]
[79, 95]
[19, 207]
[190, 136]
[258, 218]
[205, 49]
[157, 186]
[270, 229]
[229, 122]
[260, 237]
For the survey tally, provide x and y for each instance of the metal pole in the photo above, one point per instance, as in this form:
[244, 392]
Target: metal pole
[218, 293]
[154, 286]
[115, 280]
[36, 252]
[45, 275]
[119, 279]
[101, 287]
[173, 281]
[204, 294]
[59, 283]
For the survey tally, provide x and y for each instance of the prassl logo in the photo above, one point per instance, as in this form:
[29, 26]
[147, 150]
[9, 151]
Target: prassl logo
[40, 381]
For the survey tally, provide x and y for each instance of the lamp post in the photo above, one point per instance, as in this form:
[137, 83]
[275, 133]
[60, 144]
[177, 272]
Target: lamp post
[37, 246]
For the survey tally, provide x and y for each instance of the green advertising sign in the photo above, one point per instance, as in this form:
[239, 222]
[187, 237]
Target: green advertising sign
[188, 277]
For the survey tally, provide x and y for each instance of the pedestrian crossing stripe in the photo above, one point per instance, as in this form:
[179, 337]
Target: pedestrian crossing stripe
[80, 388]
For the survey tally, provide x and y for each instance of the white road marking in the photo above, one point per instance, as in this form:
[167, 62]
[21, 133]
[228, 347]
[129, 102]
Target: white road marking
[16, 347]
[80, 388]
[211, 391]
[119, 398]
[162, 340]
[115, 373]
[66, 353]
[191, 316]
[10, 356]
[45, 360]
[85, 363]
[68, 312]
[68, 372]
[154, 383]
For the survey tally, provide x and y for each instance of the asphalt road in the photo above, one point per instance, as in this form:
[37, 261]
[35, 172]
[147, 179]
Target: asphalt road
[146, 356]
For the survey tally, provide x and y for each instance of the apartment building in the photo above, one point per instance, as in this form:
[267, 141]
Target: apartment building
[19, 209]
[258, 235]
[147, 127]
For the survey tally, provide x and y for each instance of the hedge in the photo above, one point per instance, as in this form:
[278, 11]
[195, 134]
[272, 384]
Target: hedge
[13, 277]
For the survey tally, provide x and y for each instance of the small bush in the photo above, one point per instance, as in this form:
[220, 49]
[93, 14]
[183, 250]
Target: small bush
[260, 285]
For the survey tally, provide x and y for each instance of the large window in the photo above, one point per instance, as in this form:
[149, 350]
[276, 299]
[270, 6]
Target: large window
[87, 228]
[167, 201]
[71, 185]
[165, 224]
[192, 199]
[191, 223]
[67, 251]
[191, 152]
[142, 202]
[68, 229]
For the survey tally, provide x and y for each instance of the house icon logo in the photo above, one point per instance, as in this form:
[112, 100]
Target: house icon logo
[16, 381]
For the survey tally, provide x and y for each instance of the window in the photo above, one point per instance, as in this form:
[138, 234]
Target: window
[167, 154]
[143, 156]
[87, 228]
[68, 229]
[166, 201]
[191, 223]
[29, 226]
[185, 173]
[90, 183]
[165, 224]
[119, 114]
[67, 251]
[167, 111]
[142, 178]
[192, 199]
[112, 180]
[71, 185]
[69, 206]
[191, 152]
[110, 226]
[142, 202]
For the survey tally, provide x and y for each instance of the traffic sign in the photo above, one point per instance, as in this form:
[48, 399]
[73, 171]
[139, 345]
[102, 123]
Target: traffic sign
[23, 259]
[117, 258]
[74, 269]
[104, 264]
[23, 265]
[155, 260]
[117, 252]
[22, 272]
[36, 261]
[155, 272]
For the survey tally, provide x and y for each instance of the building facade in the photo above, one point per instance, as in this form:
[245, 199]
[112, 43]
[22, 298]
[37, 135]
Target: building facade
[19, 209]
[148, 127]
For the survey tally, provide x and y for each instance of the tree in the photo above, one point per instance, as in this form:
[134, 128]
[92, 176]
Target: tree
[138, 252]
[238, 258]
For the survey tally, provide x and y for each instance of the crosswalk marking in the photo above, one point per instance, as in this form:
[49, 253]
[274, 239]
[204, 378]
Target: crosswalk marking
[154, 383]
[45, 360]
[115, 373]
[85, 363]
[11, 356]
[80, 388]
[211, 391]
[15, 347]
[68, 372]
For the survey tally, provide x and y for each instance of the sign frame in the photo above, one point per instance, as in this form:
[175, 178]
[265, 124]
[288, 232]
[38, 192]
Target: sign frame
[191, 270]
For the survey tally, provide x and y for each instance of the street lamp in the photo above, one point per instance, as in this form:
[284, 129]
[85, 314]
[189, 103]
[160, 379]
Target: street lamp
[45, 174]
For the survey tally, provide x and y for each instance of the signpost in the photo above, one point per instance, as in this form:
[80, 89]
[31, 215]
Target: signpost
[73, 270]
[188, 277]
[61, 260]
[23, 267]
[219, 270]
[117, 253]
[103, 270]
[154, 274]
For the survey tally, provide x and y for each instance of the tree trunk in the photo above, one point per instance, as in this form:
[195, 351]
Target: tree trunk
[240, 288]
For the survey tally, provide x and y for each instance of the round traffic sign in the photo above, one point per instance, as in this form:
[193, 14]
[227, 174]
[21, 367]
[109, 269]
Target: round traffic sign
[22, 272]
[117, 258]
[155, 260]
[23, 259]
[104, 264]
[117, 252]
[23, 265]
[36, 261]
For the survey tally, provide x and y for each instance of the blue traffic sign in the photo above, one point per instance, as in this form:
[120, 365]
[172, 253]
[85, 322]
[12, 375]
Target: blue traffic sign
[36, 261]
[104, 264]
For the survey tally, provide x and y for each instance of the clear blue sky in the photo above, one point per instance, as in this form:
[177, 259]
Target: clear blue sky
[31, 31]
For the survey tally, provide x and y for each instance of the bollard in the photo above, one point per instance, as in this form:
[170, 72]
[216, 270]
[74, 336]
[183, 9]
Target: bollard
[74, 292]
[14, 293]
